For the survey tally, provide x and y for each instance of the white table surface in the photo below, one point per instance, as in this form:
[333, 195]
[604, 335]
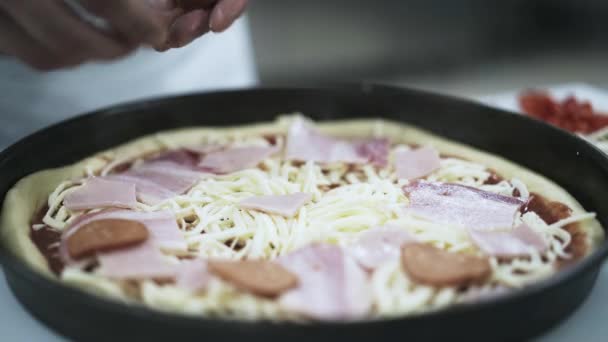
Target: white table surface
[588, 323]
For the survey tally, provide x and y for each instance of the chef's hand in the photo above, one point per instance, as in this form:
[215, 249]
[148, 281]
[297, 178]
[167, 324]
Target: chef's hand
[166, 24]
[47, 34]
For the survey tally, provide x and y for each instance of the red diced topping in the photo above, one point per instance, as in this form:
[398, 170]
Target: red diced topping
[570, 114]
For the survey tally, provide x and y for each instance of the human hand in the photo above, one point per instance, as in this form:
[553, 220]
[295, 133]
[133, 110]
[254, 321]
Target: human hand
[200, 16]
[165, 24]
[49, 35]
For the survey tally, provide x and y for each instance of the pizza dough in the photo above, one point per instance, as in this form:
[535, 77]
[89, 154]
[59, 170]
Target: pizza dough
[333, 211]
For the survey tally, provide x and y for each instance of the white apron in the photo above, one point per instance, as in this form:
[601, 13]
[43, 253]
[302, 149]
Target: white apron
[30, 100]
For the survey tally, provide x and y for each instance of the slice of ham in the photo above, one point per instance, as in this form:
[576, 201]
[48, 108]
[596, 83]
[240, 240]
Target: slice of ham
[304, 143]
[192, 275]
[516, 242]
[170, 168]
[169, 175]
[184, 157]
[284, 205]
[147, 191]
[416, 163]
[162, 226]
[201, 150]
[164, 231]
[332, 286]
[379, 245]
[235, 159]
[461, 205]
[143, 261]
[374, 150]
[101, 193]
[160, 179]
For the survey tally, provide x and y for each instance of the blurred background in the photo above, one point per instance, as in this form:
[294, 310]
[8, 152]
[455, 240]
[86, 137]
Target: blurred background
[471, 48]
[465, 47]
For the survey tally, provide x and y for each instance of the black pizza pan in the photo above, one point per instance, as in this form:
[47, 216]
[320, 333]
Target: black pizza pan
[566, 159]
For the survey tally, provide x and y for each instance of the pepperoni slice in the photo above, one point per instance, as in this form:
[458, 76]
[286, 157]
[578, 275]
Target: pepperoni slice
[104, 235]
[429, 265]
[260, 277]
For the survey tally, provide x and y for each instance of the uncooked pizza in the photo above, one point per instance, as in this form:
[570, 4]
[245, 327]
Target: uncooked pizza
[296, 220]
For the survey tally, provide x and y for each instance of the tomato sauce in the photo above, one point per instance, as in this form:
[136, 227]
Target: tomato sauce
[551, 212]
[47, 240]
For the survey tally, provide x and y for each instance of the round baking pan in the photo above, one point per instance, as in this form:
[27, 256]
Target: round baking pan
[566, 159]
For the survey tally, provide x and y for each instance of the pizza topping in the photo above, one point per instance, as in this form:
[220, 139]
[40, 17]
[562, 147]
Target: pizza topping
[192, 275]
[429, 265]
[158, 180]
[235, 159]
[369, 268]
[519, 241]
[104, 235]
[147, 191]
[185, 157]
[379, 245]
[101, 193]
[164, 231]
[169, 175]
[416, 163]
[47, 240]
[304, 143]
[461, 205]
[284, 205]
[144, 261]
[549, 211]
[375, 150]
[161, 226]
[495, 178]
[202, 150]
[260, 277]
[552, 212]
[140, 260]
[331, 284]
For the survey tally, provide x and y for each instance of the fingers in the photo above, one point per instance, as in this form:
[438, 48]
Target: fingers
[225, 13]
[16, 42]
[49, 34]
[189, 27]
[140, 21]
[163, 5]
[189, 5]
[52, 24]
[194, 24]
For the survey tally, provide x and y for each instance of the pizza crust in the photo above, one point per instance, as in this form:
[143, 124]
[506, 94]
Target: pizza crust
[31, 192]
